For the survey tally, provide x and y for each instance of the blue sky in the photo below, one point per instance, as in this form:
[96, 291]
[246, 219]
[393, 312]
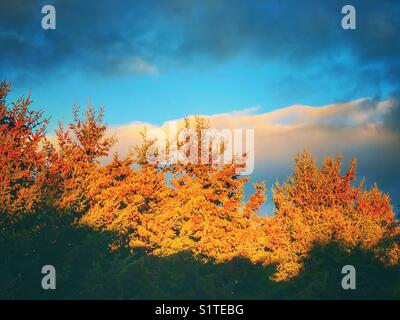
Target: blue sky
[173, 93]
[153, 60]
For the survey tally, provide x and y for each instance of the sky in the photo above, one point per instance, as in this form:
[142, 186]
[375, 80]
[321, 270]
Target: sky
[306, 81]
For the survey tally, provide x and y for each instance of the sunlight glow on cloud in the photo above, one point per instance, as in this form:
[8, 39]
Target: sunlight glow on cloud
[356, 129]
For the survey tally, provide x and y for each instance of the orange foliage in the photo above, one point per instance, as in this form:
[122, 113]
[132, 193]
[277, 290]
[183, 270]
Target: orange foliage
[24, 152]
[80, 147]
[185, 206]
[321, 205]
[168, 209]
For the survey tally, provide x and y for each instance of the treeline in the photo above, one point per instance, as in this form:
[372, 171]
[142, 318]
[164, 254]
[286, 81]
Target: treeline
[134, 229]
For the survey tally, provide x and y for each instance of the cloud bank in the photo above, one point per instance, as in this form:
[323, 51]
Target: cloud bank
[361, 129]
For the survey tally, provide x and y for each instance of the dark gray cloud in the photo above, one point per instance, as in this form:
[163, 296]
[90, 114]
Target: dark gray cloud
[97, 36]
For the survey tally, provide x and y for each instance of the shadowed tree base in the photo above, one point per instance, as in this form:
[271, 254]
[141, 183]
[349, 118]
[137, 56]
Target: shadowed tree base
[87, 269]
